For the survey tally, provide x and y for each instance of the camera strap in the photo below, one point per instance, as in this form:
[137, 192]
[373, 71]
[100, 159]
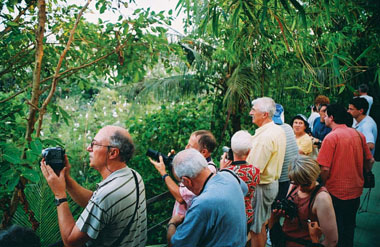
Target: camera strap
[232, 173]
[127, 228]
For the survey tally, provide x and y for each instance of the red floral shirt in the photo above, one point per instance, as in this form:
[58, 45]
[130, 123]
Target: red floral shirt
[251, 176]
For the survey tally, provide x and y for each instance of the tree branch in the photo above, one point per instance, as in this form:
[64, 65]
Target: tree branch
[16, 20]
[58, 68]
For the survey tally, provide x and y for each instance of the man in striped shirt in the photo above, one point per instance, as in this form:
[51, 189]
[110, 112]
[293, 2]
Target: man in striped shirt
[112, 206]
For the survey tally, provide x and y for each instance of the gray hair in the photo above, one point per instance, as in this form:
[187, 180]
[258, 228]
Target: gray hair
[265, 104]
[241, 142]
[124, 144]
[189, 163]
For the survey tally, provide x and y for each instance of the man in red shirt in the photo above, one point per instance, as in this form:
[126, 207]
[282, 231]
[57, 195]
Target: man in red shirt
[343, 152]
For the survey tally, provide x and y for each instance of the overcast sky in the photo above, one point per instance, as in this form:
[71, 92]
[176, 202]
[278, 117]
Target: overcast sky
[156, 5]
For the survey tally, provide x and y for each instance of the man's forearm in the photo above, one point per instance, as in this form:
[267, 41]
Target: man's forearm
[171, 230]
[78, 193]
[368, 164]
[174, 189]
[325, 172]
[66, 221]
[71, 235]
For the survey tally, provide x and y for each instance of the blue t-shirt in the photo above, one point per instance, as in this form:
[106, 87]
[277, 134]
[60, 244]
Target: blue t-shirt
[369, 129]
[217, 216]
[320, 130]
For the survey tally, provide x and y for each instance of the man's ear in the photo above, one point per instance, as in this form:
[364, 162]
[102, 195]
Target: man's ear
[113, 153]
[362, 111]
[187, 182]
[204, 152]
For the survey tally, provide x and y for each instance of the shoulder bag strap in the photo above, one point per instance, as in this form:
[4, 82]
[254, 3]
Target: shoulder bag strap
[127, 228]
[361, 140]
[313, 195]
[291, 192]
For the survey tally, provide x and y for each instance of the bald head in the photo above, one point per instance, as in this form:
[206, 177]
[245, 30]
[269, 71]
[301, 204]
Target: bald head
[120, 138]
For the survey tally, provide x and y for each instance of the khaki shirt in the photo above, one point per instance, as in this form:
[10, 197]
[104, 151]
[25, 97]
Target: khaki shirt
[268, 151]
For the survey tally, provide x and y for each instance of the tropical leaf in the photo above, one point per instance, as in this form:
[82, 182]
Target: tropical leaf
[40, 200]
[240, 87]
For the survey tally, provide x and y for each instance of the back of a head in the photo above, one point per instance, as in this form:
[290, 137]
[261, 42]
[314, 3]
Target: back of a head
[303, 170]
[278, 117]
[321, 99]
[338, 112]
[360, 103]
[241, 142]
[125, 145]
[363, 88]
[265, 104]
[205, 140]
[189, 163]
[18, 236]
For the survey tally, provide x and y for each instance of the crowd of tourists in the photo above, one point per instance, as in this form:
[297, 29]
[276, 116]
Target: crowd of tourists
[286, 185]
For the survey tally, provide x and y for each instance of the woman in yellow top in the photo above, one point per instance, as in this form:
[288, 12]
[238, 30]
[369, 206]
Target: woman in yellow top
[301, 129]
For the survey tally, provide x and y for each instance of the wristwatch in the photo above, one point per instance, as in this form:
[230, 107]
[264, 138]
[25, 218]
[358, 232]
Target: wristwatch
[59, 201]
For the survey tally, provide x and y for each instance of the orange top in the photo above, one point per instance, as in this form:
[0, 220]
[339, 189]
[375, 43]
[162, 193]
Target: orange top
[342, 151]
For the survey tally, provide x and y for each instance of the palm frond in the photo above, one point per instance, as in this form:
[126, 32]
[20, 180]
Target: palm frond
[240, 86]
[40, 200]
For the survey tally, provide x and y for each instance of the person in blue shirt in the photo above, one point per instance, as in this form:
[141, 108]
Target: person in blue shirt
[216, 216]
[357, 108]
[320, 130]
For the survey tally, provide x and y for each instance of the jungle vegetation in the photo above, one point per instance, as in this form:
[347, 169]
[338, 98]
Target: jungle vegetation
[62, 78]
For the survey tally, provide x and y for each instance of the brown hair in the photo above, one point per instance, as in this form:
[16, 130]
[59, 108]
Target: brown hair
[321, 99]
[206, 140]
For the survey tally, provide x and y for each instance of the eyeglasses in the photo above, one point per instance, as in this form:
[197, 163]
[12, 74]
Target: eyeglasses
[302, 185]
[92, 144]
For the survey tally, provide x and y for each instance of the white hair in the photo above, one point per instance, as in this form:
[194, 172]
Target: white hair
[189, 163]
[241, 142]
[265, 104]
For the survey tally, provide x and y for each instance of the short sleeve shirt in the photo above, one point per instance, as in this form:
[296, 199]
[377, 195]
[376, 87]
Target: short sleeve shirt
[342, 152]
[110, 209]
[268, 151]
[251, 176]
[291, 151]
[369, 129]
[215, 220]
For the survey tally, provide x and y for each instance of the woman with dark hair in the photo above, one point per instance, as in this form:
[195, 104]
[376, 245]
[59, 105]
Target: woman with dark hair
[315, 211]
[301, 130]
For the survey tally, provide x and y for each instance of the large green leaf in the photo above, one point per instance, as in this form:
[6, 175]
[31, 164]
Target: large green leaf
[12, 159]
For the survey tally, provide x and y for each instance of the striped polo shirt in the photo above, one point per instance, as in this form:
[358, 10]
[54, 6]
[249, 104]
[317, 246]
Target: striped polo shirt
[111, 208]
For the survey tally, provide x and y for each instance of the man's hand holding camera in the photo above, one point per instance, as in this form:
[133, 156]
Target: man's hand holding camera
[56, 183]
[160, 166]
[224, 162]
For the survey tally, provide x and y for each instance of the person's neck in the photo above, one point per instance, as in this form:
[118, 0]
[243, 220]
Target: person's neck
[266, 121]
[360, 118]
[334, 125]
[240, 158]
[200, 181]
[111, 167]
[299, 134]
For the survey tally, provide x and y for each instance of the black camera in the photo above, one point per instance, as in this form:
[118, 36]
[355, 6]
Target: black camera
[155, 155]
[288, 206]
[230, 154]
[54, 157]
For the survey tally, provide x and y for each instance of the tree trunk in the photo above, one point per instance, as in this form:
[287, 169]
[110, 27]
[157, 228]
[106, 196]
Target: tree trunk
[18, 194]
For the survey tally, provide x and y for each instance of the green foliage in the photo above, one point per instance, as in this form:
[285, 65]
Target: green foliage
[40, 200]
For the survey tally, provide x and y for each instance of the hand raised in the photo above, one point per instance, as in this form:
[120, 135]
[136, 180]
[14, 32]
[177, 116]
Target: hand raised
[56, 183]
[160, 166]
